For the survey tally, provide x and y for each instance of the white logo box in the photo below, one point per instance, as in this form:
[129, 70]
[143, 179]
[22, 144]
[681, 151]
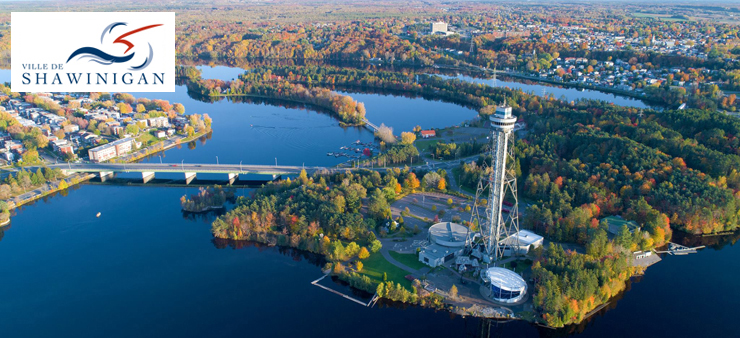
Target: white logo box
[111, 52]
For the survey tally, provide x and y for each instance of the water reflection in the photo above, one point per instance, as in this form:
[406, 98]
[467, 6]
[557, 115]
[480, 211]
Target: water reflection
[2, 230]
[717, 242]
[295, 254]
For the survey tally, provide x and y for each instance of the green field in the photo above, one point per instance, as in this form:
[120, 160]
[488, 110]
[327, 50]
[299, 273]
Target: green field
[376, 264]
[424, 145]
[147, 139]
[410, 260]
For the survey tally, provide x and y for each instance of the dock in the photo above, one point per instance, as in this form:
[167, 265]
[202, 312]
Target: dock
[368, 304]
[678, 249]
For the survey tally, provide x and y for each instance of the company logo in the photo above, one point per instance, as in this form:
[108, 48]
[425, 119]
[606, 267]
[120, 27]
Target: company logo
[103, 58]
[87, 52]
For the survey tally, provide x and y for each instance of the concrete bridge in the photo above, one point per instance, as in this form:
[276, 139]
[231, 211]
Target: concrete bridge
[189, 172]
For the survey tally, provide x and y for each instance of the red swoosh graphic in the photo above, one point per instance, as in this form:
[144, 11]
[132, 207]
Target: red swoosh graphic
[128, 43]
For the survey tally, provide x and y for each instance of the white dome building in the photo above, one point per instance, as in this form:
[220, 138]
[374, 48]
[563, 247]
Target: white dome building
[449, 234]
[447, 240]
[505, 285]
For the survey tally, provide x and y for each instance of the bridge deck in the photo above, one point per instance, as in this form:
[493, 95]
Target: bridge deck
[185, 168]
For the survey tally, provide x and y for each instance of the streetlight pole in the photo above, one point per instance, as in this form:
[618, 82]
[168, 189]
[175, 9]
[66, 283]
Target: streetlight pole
[182, 165]
[276, 161]
[240, 166]
[216, 160]
[160, 159]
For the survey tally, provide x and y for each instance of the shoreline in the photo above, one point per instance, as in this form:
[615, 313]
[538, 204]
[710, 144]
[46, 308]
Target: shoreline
[71, 183]
[205, 210]
[308, 104]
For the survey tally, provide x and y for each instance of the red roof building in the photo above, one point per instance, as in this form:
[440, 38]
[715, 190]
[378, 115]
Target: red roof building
[428, 133]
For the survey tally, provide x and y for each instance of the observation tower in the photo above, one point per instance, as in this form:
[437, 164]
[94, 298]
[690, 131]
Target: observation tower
[501, 218]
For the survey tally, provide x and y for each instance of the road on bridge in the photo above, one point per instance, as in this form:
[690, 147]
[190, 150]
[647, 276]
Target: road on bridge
[186, 168]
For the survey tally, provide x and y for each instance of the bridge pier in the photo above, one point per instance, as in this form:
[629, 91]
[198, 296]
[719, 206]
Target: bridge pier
[147, 176]
[104, 175]
[189, 177]
[232, 178]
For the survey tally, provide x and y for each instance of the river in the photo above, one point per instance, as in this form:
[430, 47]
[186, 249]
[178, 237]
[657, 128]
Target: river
[560, 92]
[144, 269]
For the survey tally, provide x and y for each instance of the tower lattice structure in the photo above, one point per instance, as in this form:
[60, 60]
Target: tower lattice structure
[498, 229]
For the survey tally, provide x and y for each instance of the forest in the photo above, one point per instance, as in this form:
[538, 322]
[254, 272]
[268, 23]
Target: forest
[347, 110]
[568, 285]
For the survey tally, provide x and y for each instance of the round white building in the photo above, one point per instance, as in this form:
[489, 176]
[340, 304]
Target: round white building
[446, 240]
[506, 286]
[449, 234]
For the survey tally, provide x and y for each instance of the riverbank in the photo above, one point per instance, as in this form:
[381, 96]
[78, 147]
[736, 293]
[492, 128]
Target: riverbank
[47, 189]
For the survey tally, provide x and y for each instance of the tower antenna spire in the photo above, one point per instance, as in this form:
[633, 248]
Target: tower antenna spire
[499, 227]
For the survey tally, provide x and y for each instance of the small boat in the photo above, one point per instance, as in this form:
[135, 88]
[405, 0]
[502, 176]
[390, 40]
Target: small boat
[98, 215]
[329, 154]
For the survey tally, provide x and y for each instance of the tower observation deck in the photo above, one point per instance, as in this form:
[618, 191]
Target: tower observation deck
[499, 180]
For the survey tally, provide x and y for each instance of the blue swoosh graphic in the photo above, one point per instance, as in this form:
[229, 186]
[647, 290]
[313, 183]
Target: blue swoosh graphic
[100, 54]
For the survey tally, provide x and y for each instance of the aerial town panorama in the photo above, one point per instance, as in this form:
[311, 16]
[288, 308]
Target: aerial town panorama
[378, 169]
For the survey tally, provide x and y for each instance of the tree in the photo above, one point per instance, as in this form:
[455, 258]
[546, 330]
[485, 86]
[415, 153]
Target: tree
[190, 131]
[124, 108]
[378, 206]
[303, 176]
[364, 254]
[453, 292]
[132, 129]
[179, 108]
[4, 191]
[408, 138]
[385, 134]
[431, 179]
[442, 185]
[359, 266]
[352, 249]
[375, 246]
[624, 238]
[411, 182]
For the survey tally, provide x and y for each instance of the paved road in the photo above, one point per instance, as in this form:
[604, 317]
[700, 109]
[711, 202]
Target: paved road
[227, 168]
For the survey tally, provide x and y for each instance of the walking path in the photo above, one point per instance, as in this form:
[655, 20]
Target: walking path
[387, 255]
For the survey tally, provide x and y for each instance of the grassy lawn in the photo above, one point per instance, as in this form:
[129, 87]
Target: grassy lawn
[424, 145]
[147, 139]
[376, 264]
[410, 260]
